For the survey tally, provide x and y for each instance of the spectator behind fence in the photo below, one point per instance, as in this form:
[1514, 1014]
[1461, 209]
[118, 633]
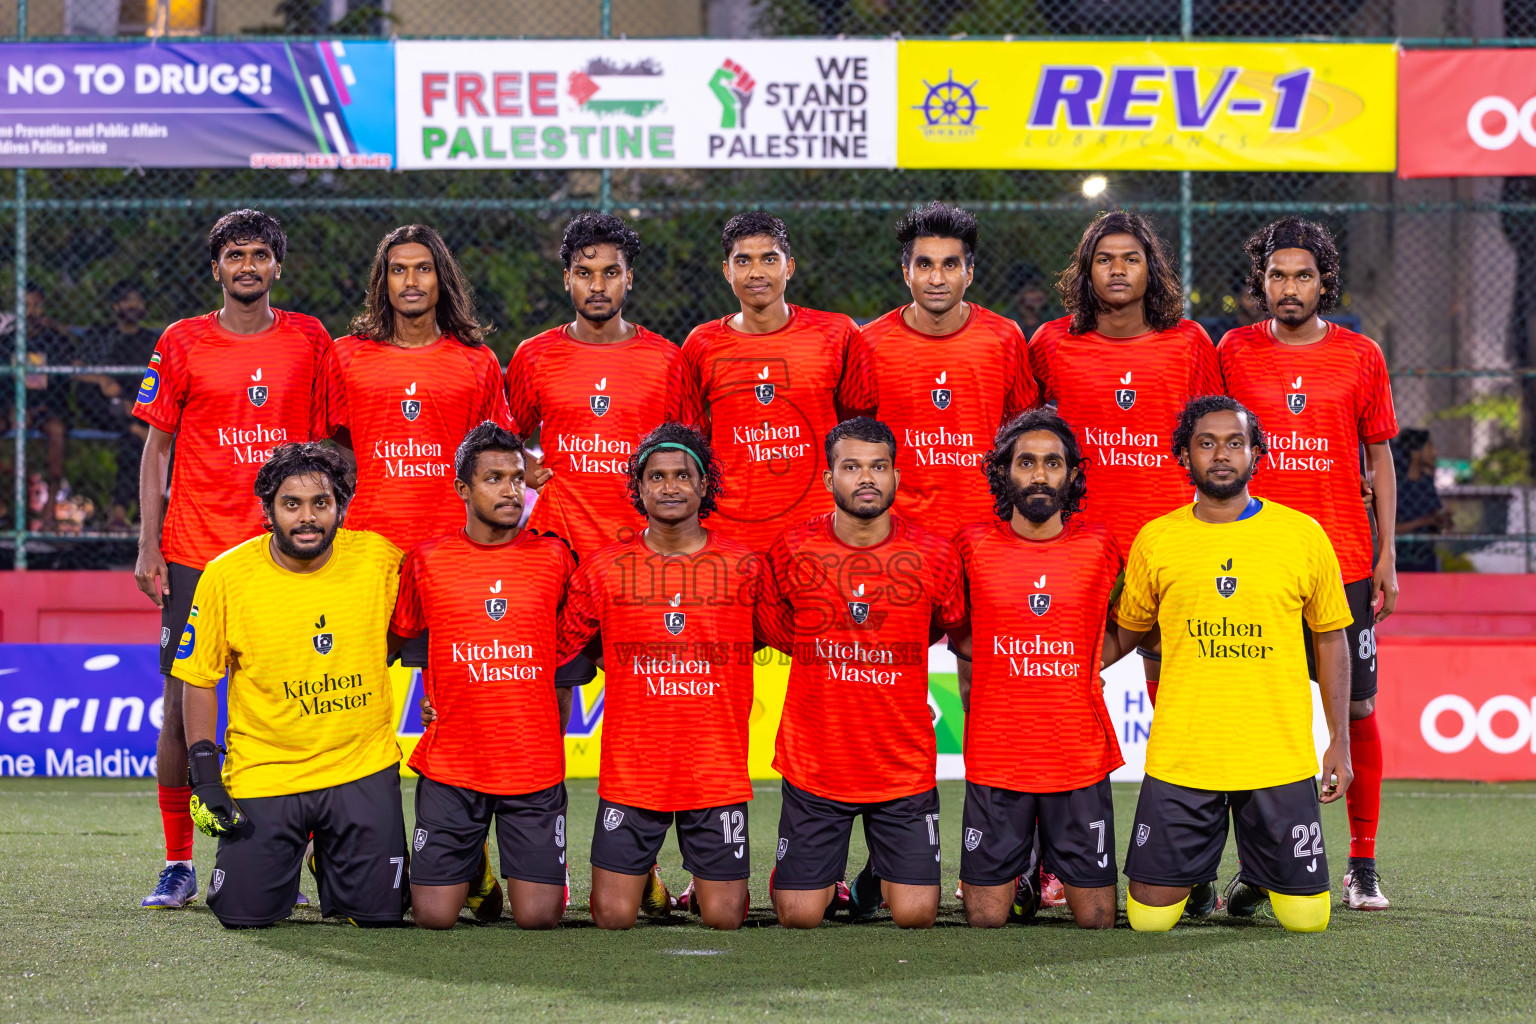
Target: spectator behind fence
[104, 401]
[1419, 509]
[46, 399]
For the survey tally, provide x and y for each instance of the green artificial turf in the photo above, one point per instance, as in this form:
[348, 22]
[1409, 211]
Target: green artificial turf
[1458, 861]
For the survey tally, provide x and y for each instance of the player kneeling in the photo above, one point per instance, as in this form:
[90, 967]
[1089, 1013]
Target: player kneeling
[1231, 580]
[1037, 659]
[669, 616]
[488, 597]
[299, 619]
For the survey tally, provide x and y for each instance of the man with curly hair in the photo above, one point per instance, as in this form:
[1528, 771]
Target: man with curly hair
[1033, 659]
[1232, 580]
[1325, 392]
[669, 614]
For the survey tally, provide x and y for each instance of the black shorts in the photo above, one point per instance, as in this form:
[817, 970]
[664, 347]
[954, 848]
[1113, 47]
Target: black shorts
[360, 862]
[714, 840]
[902, 835]
[414, 653]
[1360, 636]
[177, 607]
[1077, 835]
[579, 671]
[1180, 834]
[452, 823]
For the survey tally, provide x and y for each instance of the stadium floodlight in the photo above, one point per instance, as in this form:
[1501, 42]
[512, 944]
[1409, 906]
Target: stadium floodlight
[1094, 185]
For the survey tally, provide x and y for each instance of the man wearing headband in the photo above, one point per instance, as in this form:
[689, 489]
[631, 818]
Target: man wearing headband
[669, 614]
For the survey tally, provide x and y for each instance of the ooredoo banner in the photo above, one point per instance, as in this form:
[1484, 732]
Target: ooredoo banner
[285, 105]
[1464, 113]
[662, 103]
[1146, 106]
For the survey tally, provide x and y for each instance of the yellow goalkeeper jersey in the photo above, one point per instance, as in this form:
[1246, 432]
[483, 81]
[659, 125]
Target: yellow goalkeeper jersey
[310, 704]
[1234, 708]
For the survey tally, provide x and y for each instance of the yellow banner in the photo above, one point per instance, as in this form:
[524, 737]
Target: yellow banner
[1147, 106]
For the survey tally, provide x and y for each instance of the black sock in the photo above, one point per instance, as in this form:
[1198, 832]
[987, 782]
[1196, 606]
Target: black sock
[1356, 863]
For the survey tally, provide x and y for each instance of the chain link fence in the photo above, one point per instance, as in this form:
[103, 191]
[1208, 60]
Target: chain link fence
[1442, 273]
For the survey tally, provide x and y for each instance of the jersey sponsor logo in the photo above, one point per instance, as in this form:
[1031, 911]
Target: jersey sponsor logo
[858, 610]
[165, 636]
[1143, 833]
[188, 642]
[1296, 401]
[218, 881]
[612, 818]
[149, 387]
[420, 840]
[323, 641]
[1226, 586]
[257, 393]
[1125, 395]
[783, 849]
[941, 395]
[972, 839]
[674, 620]
[495, 607]
[1040, 603]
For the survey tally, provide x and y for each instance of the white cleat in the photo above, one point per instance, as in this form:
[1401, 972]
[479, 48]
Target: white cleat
[1362, 890]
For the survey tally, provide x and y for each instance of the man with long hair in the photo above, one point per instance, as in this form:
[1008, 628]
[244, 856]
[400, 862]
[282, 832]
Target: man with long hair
[951, 372]
[672, 612]
[404, 388]
[1325, 392]
[767, 382]
[1036, 657]
[225, 388]
[1235, 579]
[300, 622]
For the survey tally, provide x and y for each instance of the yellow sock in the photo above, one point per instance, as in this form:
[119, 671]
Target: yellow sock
[1301, 913]
[1153, 919]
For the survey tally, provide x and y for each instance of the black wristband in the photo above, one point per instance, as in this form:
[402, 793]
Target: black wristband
[203, 764]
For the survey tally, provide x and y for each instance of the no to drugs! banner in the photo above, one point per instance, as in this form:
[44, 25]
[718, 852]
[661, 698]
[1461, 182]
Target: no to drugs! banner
[632, 103]
[1146, 106]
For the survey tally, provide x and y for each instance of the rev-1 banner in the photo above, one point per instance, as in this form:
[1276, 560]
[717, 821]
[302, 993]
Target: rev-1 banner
[284, 105]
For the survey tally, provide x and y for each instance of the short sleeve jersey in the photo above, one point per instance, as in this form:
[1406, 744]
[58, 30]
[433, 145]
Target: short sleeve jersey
[404, 411]
[1123, 397]
[591, 404]
[1231, 599]
[1038, 611]
[944, 399]
[677, 637]
[767, 401]
[229, 399]
[310, 703]
[1318, 404]
[857, 623]
[489, 611]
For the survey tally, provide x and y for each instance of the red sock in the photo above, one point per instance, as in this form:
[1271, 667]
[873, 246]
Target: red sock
[176, 819]
[1364, 796]
[1152, 691]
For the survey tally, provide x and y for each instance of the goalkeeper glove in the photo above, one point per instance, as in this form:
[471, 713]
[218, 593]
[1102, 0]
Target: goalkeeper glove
[214, 811]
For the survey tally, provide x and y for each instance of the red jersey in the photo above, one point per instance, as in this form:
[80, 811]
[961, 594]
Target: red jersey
[1123, 397]
[1038, 610]
[677, 635]
[591, 404]
[229, 399]
[944, 398]
[404, 411]
[767, 402]
[489, 612]
[1318, 404]
[858, 622]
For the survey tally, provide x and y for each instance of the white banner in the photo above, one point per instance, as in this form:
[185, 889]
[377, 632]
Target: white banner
[634, 103]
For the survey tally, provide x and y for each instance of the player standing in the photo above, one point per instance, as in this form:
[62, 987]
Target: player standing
[1233, 580]
[856, 596]
[299, 620]
[951, 372]
[1037, 660]
[227, 386]
[766, 383]
[487, 596]
[403, 389]
[1324, 391]
[672, 611]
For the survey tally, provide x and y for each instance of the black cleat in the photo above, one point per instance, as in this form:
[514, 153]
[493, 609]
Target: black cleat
[1247, 901]
[1026, 898]
[864, 896]
[1203, 901]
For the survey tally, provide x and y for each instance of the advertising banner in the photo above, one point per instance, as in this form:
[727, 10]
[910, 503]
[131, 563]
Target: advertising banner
[1458, 708]
[1146, 106]
[662, 103]
[1463, 113]
[284, 105]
